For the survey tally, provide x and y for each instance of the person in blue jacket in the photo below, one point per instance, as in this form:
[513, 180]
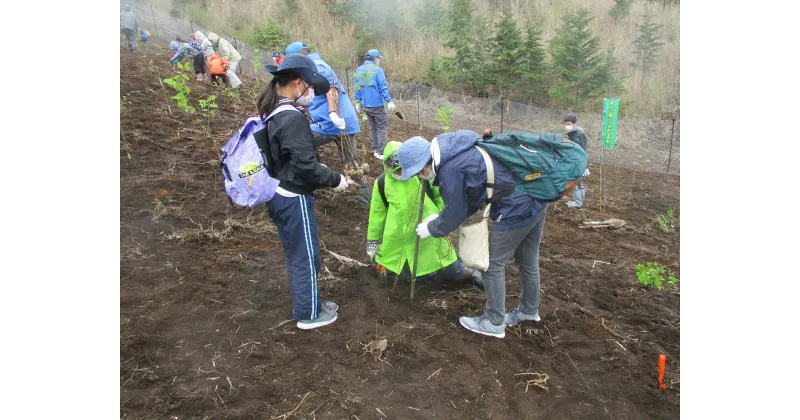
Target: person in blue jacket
[333, 113]
[372, 91]
[454, 165]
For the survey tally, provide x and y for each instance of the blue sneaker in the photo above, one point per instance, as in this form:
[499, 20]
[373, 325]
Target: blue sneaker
[326, 317]
[482, 325]
[515, 316]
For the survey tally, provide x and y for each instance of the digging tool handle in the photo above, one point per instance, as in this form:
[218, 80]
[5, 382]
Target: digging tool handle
[416, 240]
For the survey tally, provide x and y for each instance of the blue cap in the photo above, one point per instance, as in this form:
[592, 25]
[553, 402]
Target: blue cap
[303, 67]
[373, 54]
[295, 47]
[413, 155]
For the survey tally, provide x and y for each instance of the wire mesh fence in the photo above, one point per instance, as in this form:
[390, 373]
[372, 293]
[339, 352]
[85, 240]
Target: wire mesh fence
[650, 145]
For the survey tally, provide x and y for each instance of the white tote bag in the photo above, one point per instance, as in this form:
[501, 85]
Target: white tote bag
[473, 240]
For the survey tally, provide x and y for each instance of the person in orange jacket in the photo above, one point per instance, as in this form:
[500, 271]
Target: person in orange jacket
[217, 66]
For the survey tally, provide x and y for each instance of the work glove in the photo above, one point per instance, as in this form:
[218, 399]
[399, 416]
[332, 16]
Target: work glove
[431, 218]
[391, 106]
[422, 228]
[337, 121]
[358, 108]
[372, 248]
[343, 183]
[586, 172]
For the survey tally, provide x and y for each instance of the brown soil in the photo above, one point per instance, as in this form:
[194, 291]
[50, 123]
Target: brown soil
[204, 296]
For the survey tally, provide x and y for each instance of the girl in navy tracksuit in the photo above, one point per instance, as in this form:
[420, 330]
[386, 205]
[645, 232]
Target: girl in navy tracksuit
[292, 159]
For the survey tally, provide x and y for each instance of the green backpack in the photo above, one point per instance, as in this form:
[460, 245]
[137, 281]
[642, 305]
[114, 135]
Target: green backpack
[543, 163]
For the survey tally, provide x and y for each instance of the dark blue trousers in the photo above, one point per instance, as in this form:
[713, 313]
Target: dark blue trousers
[297, 227]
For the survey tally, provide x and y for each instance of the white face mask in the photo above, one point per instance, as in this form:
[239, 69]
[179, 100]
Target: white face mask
[305, 100]
[397, 177]
[431, 175]
[568, 128]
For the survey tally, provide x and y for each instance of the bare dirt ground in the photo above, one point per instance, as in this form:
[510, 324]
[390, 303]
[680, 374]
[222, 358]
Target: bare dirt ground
[204, 296]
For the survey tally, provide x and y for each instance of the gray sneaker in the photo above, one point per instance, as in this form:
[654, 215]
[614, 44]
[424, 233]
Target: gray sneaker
[515, 316]
[482, 325]
[326, 317]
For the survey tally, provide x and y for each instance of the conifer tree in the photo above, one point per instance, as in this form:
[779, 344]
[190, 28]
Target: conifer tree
[646, 45]
[505, 70]
[580, 72]
[621, 9]
[532, 62]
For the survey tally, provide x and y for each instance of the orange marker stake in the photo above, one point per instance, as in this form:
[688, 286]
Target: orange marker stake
[662, 365]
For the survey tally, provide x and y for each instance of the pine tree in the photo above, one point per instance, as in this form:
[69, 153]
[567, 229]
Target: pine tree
[646, 45]
[532, 62]
[505, 70]
[463, 42]
[607, 81]
[578, 66]
[480, 74]
[620, 9]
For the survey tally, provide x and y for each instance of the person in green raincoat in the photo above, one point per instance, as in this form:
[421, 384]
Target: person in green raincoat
[393, 218]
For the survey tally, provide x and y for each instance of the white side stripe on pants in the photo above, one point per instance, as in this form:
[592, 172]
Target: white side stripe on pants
[309, 249]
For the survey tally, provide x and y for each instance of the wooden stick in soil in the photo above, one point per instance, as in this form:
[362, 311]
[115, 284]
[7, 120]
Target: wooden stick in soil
[416, 238]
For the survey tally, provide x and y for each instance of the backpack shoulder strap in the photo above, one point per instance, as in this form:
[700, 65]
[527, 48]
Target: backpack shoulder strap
[280, 109]
[489, 179]
[382, 189]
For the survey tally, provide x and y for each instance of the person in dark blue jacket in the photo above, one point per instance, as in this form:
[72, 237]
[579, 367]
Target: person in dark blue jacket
[372, 91]
[457, 167]
[333, 113]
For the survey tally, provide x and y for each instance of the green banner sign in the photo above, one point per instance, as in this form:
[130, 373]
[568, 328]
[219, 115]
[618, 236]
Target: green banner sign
[610, 111]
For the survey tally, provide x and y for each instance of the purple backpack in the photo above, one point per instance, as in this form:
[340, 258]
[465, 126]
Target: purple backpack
[244, 166]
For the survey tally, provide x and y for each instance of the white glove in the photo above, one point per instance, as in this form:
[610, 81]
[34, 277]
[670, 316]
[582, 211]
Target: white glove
[372, 248]
[358, 108]
[430, 218]
[586, 172]
[391, 106]
[342, 184]
[422, 230]
[337, 121]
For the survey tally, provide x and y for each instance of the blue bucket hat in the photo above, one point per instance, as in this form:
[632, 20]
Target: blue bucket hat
[373, 54]
[413, 155]
[303, 67]
[295, 47]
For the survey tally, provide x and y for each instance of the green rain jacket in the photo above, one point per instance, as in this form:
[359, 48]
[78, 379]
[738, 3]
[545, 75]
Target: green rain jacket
[397, 224]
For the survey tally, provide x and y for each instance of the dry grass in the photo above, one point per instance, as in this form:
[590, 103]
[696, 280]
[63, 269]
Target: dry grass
[408, 55]
[212, 232]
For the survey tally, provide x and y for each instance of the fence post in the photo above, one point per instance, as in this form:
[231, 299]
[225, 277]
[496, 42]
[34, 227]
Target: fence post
[671, 139]
[347, 80]
[235, 43]
[154, 17]
[502, 112]
[419, 114]
[191, 25]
